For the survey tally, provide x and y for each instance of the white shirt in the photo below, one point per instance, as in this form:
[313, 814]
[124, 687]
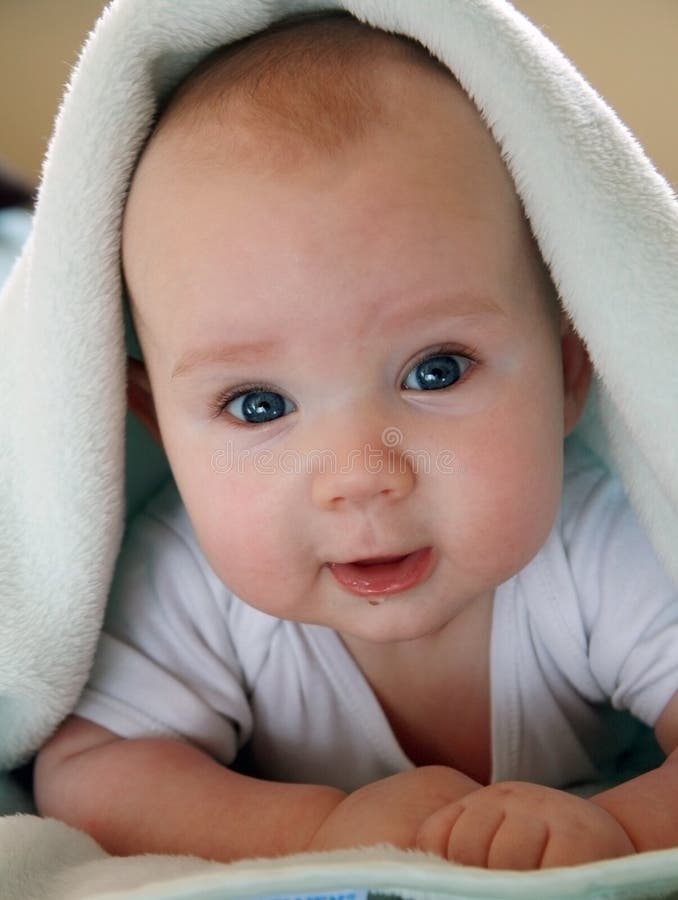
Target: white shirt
[587, 629]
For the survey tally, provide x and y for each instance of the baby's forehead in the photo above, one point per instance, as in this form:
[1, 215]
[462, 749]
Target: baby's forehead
[310, 89]
[323, 80]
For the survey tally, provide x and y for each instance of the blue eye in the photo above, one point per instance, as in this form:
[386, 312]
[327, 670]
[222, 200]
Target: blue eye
[255, 407]
[436, 372]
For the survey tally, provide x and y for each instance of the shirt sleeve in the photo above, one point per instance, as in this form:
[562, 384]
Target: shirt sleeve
[166, 664]
[628, 603]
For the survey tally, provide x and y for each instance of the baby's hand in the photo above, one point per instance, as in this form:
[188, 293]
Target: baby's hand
[516, 825]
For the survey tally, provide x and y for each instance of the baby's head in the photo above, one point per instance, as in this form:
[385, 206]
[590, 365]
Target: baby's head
[353, 346]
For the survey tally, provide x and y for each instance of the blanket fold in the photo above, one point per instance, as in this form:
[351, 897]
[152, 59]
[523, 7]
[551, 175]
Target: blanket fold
[73, 465]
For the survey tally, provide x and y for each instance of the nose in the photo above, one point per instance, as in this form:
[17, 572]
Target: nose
[360, 475]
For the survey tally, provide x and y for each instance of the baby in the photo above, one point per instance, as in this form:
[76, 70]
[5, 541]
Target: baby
[388, 606]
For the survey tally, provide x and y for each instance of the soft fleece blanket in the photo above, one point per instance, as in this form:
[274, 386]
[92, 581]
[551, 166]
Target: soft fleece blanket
[72, 467]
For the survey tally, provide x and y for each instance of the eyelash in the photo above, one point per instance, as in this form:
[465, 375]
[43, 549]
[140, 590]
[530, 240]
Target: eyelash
[218, 405]
[221, 401]
[468, 352]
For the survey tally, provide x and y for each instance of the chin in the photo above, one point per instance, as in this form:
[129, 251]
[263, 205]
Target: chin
[392, 627]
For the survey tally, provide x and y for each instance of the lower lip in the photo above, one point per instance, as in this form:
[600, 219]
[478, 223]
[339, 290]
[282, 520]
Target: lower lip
[383, 578]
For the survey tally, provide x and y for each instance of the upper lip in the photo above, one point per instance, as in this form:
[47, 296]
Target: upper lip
[372, 560]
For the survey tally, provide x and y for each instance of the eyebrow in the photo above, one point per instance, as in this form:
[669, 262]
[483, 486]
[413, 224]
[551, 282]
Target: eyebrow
[464, 306]
[461, 306]
[246, 351]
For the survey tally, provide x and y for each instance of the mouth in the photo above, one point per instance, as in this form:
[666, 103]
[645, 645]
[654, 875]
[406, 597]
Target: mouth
[383, 575]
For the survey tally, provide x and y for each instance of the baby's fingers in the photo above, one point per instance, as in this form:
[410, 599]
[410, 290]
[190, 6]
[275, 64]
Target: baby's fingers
[519, 843]
[486, 836]
[433, 835]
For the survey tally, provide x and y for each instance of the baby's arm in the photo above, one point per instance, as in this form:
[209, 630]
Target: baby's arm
[158, 795]
[647, 806]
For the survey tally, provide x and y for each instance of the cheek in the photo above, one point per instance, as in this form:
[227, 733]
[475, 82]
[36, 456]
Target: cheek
[243, 524]
[240, 508]
[507, 488]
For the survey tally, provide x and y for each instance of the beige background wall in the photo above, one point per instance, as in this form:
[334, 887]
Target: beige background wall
[628, 49]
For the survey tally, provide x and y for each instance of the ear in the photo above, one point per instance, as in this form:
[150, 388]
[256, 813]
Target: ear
[140, 397]
[577, 371]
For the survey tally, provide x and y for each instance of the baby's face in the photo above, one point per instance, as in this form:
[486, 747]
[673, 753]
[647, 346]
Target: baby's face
[353, 359]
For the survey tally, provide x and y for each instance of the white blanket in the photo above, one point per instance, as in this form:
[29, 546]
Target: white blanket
[606, 223]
